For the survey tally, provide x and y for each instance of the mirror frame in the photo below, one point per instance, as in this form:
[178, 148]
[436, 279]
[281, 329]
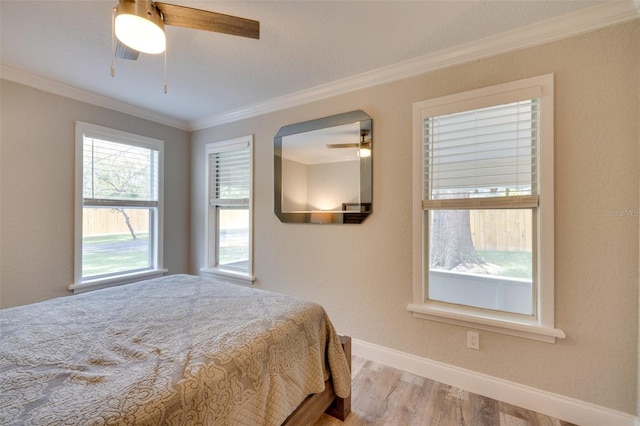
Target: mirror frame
[366, 174]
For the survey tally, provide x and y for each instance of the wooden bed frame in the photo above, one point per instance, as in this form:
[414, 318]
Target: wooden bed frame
[326, 401]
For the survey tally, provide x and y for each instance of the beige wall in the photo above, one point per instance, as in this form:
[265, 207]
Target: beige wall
[37, 190]
[362, 273]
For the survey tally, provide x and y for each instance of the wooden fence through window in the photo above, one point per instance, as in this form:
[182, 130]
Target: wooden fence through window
[502, 230]
[489, 228]
[105, 221]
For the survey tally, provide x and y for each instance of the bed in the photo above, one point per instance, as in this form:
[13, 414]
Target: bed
[177, 350]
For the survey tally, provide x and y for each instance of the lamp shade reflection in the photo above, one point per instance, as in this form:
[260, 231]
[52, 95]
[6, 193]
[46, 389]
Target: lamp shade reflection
[320, 217]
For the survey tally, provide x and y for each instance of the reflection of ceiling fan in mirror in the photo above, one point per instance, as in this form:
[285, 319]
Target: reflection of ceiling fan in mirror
[364, 145]
[139, 25]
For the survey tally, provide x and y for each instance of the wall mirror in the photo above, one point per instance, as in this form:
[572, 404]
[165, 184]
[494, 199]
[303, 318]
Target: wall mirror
[323, 170]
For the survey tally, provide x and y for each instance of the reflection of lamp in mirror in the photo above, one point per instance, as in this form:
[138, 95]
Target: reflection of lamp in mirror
[320, 217]
[365, 146]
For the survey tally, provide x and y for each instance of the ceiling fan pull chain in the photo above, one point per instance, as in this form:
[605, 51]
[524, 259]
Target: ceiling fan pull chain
[113, 42]
[165, 70]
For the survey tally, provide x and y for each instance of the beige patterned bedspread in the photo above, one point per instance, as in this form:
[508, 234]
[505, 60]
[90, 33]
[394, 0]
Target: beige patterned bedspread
[178, 350]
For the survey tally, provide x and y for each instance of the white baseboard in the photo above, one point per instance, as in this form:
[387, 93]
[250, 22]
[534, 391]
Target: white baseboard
[554, 405]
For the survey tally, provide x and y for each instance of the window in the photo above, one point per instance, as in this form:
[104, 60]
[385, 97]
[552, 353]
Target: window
[229, 208]
[483, 209]
[118, 206]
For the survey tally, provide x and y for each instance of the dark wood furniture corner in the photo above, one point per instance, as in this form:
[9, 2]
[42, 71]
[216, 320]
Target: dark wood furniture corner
[341, 407]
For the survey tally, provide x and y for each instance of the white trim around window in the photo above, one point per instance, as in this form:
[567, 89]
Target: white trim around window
[150, 205]
[540, 324]
[229, 209]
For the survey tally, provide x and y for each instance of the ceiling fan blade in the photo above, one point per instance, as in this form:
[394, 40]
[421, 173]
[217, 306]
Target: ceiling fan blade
[187, 17]
[125, 52]
[342, 145]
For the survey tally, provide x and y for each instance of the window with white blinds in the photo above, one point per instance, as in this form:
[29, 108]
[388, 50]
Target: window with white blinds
[119, 179]
[118, 173]
[482, 157]
[230, 175]
[229, 208]
[483, 197]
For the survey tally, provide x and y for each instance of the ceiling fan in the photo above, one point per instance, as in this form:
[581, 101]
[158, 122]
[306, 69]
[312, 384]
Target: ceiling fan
[139, 25]
[364, 145]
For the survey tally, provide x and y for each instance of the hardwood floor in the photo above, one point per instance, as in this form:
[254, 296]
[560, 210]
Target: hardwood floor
[386, 396]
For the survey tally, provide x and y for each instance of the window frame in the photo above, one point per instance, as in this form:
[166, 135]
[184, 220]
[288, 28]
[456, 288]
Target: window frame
[156, 269]
[211, 219]
[540, 326]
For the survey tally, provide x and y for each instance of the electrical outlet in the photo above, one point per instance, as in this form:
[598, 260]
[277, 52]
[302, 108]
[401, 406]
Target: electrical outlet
[473, 340]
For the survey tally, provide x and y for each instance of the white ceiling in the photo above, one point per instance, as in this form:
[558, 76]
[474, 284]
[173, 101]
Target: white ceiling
[303, 44]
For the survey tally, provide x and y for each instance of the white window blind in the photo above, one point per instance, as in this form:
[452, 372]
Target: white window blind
[230, 176]
[118, 173]
[485, 157]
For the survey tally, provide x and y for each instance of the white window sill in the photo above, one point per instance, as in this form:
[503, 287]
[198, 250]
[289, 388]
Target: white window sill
[98, 283]
[236, 276]
[486, 320]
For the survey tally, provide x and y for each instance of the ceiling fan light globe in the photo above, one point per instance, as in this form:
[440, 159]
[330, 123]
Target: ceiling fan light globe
[364, 152]
[140, 34]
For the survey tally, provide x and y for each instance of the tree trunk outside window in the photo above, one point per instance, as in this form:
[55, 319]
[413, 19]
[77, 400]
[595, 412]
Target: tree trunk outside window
[451, 242]
[128, 222]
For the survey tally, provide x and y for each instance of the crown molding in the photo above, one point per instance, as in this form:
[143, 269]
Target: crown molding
[41, 83]
[561, 27]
